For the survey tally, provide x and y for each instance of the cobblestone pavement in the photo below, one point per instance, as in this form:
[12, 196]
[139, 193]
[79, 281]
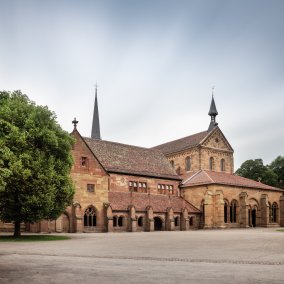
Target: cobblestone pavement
[204, 256]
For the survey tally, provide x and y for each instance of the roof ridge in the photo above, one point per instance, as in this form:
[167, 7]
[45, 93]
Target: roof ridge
[189, 178]
[179, 139]
[209, 176]
[123, 144]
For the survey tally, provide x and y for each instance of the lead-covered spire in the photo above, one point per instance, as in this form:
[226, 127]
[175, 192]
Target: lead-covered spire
[96, 134]
[213, 113]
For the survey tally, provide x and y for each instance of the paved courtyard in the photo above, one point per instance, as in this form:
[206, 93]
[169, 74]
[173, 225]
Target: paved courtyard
[216, 256]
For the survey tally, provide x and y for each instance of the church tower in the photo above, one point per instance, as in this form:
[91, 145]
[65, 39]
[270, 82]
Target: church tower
[96, 134]
[213, 113]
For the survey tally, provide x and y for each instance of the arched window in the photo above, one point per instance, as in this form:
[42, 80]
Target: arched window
[211, 163]
[120, 221]
[274, 213]
[187, 164]
[226, 207]
[172, 163]
[176, 221]
[140, 221]
[233, 212]
[90, 218]
[115, 221]
[222, 165]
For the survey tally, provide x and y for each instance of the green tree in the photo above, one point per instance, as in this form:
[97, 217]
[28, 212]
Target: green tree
[254, 169]
[35, 162]
[277, 166]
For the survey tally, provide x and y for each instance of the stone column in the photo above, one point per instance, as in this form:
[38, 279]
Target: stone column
[149, 219]
[78, 224]
[170, 222]
[264, 211]
[208, 210]
[132, 219]
[219, 209]
[243, 211]
[109, 218]
[184, 222]
[281, 210]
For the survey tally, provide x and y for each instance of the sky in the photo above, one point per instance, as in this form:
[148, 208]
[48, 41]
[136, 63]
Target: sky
[155, 63]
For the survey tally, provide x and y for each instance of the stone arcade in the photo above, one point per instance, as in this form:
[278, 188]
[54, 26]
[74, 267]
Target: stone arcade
[182, 185]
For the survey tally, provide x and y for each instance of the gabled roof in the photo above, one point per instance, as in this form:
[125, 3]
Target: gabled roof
[203, 177]
[128, 159]
[159, 203]
[182, 143]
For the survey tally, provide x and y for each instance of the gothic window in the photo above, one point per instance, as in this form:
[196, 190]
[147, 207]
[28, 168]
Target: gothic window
[120, 221]
[187, 164]
[90, 187]
[172, 163]
[115, 221]
[211, 163]
[140, 221]
[176, 221]
[90, 218]
[222, 165]
[274, 213]
[233, 212]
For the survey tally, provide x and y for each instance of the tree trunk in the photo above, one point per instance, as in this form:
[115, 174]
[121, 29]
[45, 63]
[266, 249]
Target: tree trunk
[17, 229]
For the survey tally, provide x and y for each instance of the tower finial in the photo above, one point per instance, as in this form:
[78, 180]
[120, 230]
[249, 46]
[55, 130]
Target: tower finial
[96, 134]
[212, 112]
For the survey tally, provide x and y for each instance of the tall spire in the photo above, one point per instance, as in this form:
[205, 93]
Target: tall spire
[213, 113]
[96, 134]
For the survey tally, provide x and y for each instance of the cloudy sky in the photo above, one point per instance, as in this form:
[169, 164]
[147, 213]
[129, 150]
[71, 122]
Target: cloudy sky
[155, 63]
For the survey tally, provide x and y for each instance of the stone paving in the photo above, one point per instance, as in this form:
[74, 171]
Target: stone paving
[203, 256]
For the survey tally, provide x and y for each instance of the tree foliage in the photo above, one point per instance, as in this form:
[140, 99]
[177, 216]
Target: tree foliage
[272, 174]
[35, 162]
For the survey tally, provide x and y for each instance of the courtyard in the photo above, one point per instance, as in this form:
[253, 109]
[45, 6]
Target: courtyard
[202, 256]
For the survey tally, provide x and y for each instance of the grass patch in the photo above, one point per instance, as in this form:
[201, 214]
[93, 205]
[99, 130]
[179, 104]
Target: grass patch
[33, 238]
[280, 230]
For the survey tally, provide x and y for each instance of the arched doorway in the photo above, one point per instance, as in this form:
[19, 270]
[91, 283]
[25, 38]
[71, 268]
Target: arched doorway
[158, 224]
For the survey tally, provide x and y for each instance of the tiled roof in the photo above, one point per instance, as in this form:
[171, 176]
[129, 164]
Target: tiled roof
[203, 177]
[159, 202]
[182, 143]
[122, 158]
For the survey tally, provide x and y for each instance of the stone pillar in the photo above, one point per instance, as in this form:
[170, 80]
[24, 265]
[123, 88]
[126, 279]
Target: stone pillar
[208, 210]
[78, 224]
[58, 224]
[170, 222]
[264, 211]
[184, 222]
[219, 210]
[149, 220]
[132, 219]
[243, 212]
[281, 210]
[109, 218]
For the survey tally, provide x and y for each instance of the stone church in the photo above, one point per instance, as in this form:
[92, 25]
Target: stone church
[182, 185]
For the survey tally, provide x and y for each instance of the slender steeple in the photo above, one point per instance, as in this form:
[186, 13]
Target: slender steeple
[213, 113]
[96, 134]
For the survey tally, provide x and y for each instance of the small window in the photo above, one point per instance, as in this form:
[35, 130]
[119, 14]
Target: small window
[84, 161]
[211, 163]
[90, 187]
[171, 189]
[222, 165]
[172, 163]
[187, 164]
